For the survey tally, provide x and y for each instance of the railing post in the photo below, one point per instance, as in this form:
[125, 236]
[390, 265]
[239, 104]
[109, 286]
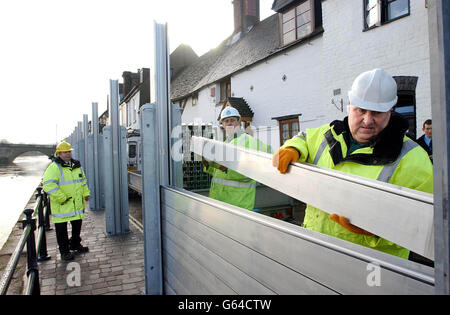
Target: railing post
[47, 213]
[43, 256]
[32, 266]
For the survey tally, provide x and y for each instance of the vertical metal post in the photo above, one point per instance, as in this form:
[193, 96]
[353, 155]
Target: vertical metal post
[439, 36]
[75, 143]
[86, 142]
[116, 190]
[48, 212]
[96, 195]
[43, 255]
[176, 147]
[32, 266]
[151, 200]
[161, 79]
[80, 144]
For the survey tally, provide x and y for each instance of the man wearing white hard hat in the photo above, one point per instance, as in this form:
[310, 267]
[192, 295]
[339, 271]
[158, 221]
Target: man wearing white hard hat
[369, 142]
[228, 185]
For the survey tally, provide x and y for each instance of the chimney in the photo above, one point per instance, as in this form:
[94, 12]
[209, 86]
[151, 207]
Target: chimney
[130, 80]
[144, 74]
[246, 14]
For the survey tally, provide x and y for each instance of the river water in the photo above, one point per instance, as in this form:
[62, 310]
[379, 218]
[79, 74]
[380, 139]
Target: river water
[17, 183]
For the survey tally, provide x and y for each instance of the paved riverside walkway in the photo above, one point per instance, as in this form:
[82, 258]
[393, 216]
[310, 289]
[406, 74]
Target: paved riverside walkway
[113, 265]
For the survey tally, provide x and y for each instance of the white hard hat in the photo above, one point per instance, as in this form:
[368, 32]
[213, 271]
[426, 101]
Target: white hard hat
[229, 112]
[374, 90]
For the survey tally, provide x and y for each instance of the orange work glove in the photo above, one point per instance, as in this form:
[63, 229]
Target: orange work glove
[343, 221]
[283, 157]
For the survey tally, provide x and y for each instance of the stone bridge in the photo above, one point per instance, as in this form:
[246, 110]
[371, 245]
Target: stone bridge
[9, 151]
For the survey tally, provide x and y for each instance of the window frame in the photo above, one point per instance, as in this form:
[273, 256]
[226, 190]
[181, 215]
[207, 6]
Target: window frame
[311, 22]
[224, 90]
[289, 123]
[383, 13]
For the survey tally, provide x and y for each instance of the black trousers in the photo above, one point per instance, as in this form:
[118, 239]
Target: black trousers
[62, 237]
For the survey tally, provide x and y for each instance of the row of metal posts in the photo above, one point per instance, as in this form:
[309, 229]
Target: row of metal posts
[160, 131]
[103, 158]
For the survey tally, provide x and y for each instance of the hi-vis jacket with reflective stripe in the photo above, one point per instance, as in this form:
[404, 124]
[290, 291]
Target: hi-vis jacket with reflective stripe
[232, 187]
[66, 185]
[392, 158]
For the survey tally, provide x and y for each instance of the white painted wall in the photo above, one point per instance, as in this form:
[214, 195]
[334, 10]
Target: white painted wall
[399, 47]
[129, 112]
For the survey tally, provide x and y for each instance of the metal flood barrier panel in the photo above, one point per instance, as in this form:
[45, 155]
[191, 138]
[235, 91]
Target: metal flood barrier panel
[210, 247]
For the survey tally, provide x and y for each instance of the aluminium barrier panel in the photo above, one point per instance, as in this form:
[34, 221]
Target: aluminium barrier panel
[410, 225]
[210, 247]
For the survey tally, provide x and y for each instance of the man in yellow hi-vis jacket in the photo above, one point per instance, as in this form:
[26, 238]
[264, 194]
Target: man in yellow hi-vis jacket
[371, 143]
[228, 185]
[64, 181]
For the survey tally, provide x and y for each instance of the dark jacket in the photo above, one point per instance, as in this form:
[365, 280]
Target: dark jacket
[429, 149]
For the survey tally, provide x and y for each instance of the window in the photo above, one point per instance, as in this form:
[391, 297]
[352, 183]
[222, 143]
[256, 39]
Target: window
[133, 110]
[288, 129]
[406, 106]
[377, 12]
[225, 90]
[297, 22]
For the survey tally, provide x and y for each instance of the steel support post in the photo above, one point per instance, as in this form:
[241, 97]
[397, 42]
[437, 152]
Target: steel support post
[151, 200]
[75, 144]
[88, 163]
[161, 79]
[80, 144]
[116, 189]
[439, 34]
[176, 145]
[95, 195]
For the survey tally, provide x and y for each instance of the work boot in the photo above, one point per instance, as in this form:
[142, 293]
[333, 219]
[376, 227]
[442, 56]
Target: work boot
[67, 256]
[81, 249]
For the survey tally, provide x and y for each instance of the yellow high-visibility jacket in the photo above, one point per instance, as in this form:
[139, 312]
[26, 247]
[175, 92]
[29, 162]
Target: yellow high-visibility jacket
[66, 185]
[233, 187]
[393, 158]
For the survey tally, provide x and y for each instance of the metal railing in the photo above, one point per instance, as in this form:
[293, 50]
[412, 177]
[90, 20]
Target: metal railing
[42, 211]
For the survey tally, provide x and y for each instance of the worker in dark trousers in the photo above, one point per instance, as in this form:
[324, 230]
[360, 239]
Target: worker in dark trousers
[65, 183]
[369, 142]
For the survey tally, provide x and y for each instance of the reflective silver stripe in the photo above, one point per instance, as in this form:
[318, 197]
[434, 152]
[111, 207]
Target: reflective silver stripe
[322, 147]
[301, 135]
[71, 182]
[69, 214]
[63, 181]
[233, 183]
[52, 190]
[388, 170]
[50, 181]
[61, 173]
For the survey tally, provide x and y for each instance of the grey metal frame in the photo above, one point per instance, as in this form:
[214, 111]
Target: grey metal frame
[151, 200]
[211, 247]
[439, 34]
[115, 169]
[162, 83]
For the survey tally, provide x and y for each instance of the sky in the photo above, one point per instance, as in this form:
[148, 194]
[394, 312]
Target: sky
[57, 56]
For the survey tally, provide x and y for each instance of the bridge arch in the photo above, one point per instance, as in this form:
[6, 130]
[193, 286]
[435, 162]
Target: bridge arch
[8, 152]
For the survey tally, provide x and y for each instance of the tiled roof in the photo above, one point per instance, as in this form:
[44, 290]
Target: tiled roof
[278, 5]
[259, 43]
